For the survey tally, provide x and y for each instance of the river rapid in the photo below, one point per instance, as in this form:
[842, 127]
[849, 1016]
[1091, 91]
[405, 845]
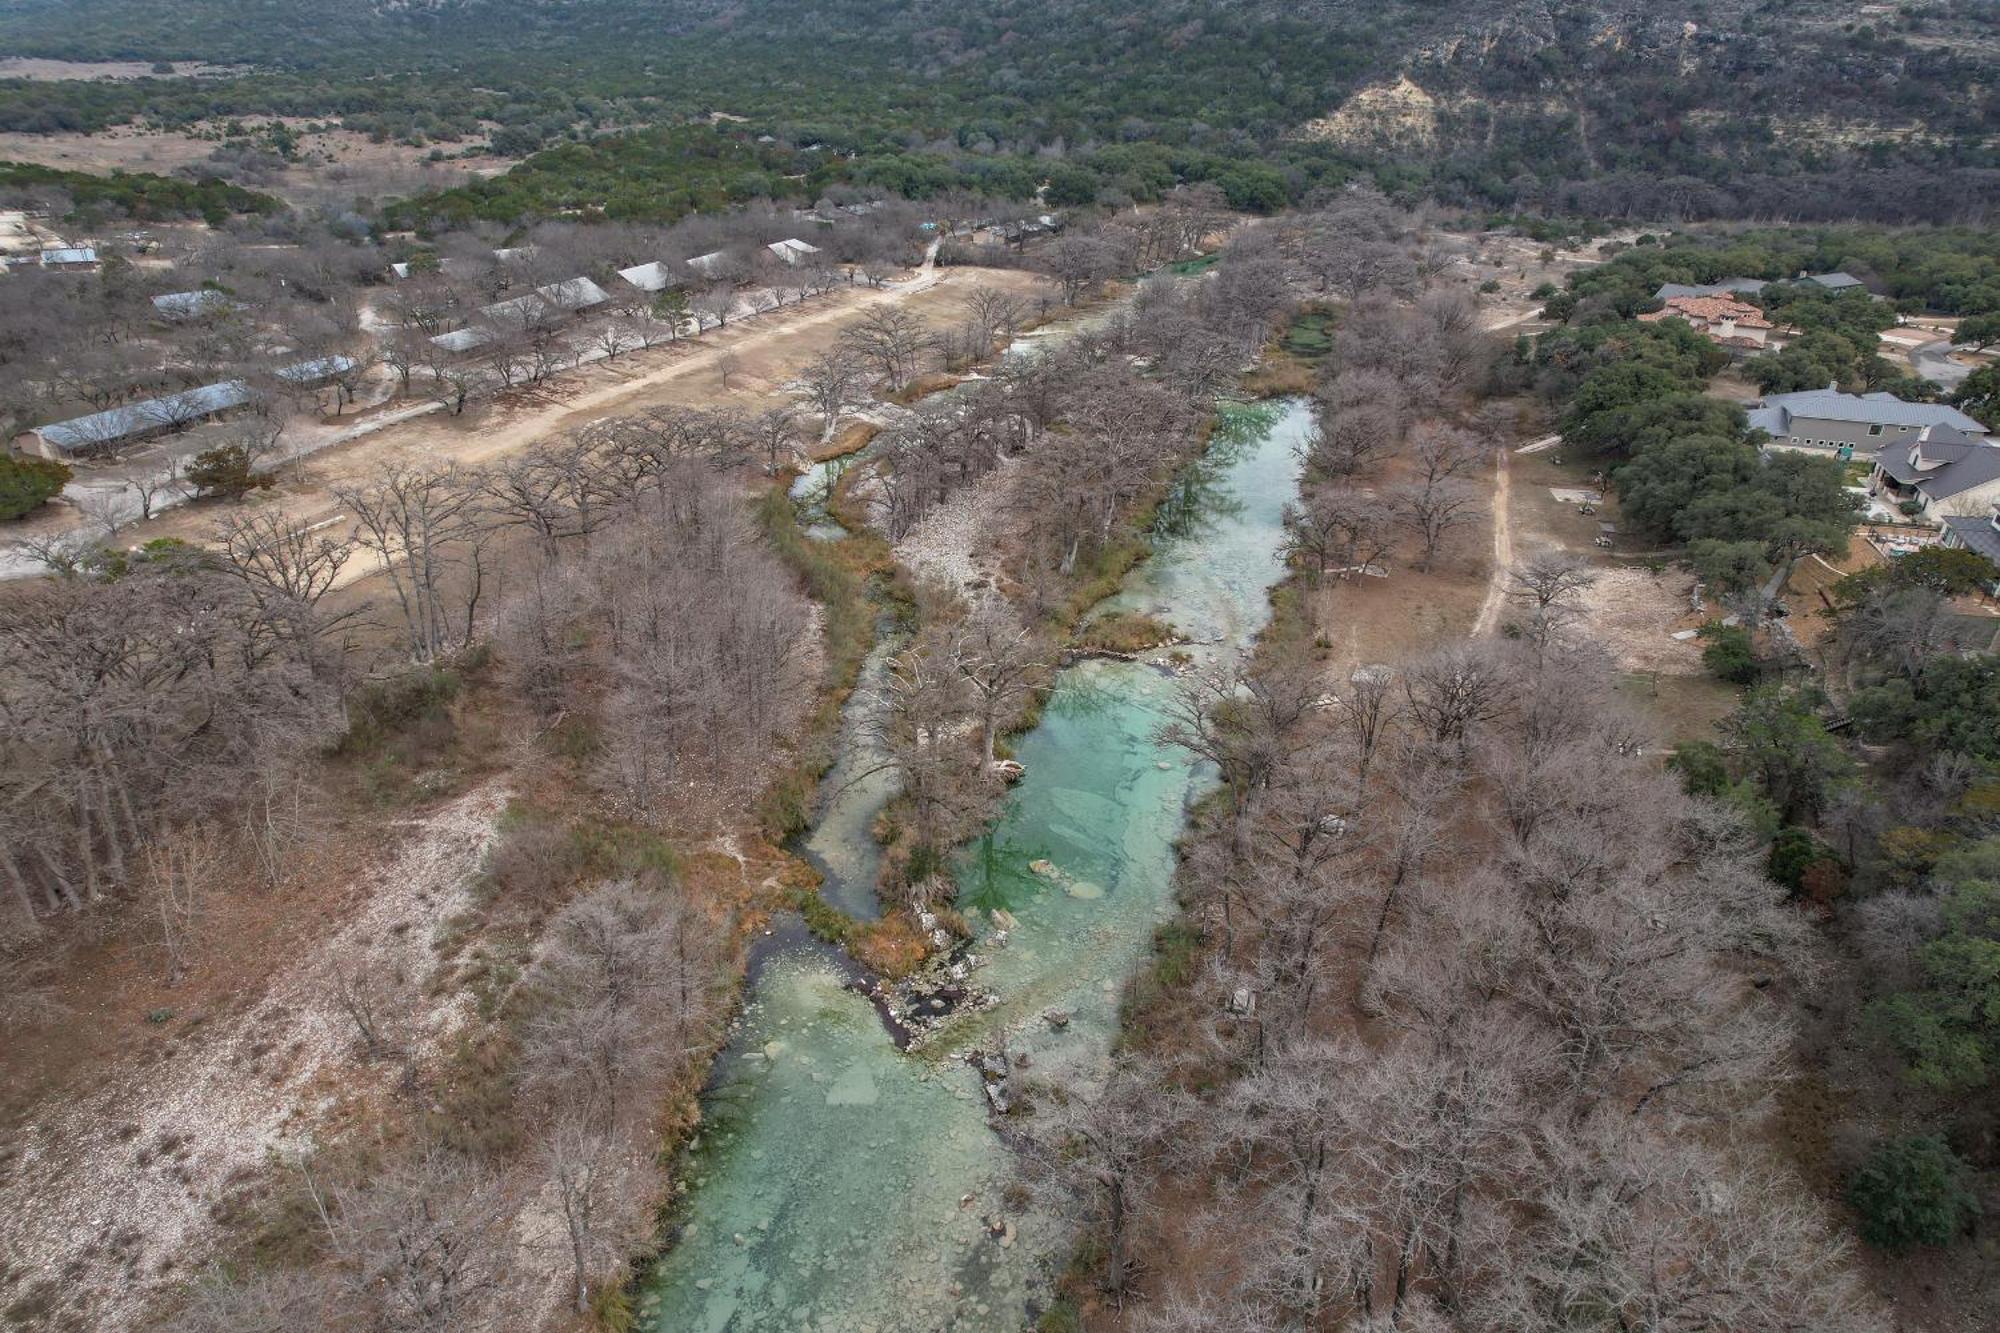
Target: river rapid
[838, 1183]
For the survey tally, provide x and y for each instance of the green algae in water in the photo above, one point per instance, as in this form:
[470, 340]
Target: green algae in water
[827, 1191]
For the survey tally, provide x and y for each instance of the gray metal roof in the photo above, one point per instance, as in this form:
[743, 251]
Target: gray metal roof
[1727, 287]
[72, 254]
[1770, 420]
[186, 305]
[143, 418]
[1834, 281]
[319, 368]
[461, 340]
[1975, 468]
[574, 294]
[1976, 534]
[653, 277]
[1874, 409]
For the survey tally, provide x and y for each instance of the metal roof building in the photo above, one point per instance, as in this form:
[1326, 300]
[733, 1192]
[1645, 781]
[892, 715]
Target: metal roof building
[653, 277]
[1727, 287]
[1874, 409]
[318, 370]
[190, 305]
[461, 340]
[135, 421]
[558, 298]
[792, 250]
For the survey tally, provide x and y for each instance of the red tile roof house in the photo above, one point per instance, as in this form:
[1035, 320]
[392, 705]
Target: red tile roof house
[1722, 319]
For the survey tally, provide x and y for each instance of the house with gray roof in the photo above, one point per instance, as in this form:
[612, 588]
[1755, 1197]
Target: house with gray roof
[1938, 471]
[1978, 533]
[1834, 282]
[101, 432]
[1846, 423]
[1727, 287]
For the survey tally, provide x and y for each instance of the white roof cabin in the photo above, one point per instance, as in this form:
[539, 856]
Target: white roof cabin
[558, 298]
[461, 340]
[191, 305]
[710, 264]
[653, 277]
[316, 371]
[792, 251]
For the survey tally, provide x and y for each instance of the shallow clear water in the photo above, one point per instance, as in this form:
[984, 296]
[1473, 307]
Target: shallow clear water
[812, 491]
[841, 844]
[829, 1185]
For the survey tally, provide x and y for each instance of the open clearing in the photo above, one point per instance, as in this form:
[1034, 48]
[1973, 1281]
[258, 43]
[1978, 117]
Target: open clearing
[334, 165]
[100, 71]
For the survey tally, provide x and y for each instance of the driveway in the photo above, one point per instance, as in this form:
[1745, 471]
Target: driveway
[1933, 361]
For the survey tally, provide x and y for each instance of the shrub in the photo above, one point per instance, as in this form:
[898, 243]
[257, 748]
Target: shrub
[1912, 1191]
[1702, 768]
[1795, 854]
[227, 470]
[27, 483]
[1728, 653]
[534, 860]
[1125, 632]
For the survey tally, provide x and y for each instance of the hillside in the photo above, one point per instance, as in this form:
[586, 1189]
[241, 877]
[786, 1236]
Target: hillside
[1498, 103]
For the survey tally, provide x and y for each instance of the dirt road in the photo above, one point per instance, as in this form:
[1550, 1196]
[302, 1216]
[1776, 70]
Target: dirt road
[1503, 551]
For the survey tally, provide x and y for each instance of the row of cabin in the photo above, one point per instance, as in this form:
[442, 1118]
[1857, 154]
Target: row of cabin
[540, 308]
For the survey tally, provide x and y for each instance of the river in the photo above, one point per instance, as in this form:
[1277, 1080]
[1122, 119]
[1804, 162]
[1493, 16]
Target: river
[840, 1184]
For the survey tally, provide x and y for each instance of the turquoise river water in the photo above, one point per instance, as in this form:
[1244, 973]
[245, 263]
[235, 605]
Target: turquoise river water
[829, 1187]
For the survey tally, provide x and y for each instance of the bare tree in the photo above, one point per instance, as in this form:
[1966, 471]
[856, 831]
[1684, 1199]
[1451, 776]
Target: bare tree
[288, 568]
[1338, 532]
[1003, 665]
[832, 382]
[426, 527]
[1551, 587]
[157, 490]
[1434, 512]
[598, 1207]
[1099, 1157]
[419, 1244]
[374, 1001]
[890, 340]
[776, 432]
